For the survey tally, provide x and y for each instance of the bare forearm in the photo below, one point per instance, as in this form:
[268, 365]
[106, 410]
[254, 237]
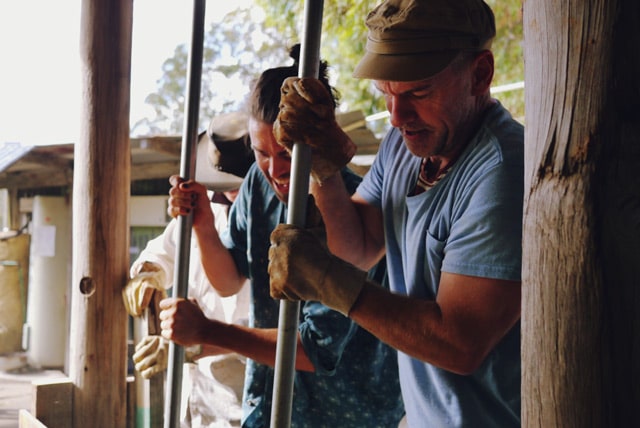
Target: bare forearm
[417, 328]
[347, 236]
[217, 263]
[212, 350]
[256, 344]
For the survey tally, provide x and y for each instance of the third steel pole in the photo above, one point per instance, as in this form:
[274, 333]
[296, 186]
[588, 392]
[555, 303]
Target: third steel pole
[187, 171]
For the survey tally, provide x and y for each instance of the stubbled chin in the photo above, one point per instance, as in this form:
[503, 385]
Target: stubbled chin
[414, 147]
[420, 145]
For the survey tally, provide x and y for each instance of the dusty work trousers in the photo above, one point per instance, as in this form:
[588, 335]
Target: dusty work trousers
[212, 392]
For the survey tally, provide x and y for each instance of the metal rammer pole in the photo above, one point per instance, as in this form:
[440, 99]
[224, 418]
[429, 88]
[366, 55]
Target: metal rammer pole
[187, 171]
[297, 206]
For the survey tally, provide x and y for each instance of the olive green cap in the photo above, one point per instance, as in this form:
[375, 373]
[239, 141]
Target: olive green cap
[412, 40]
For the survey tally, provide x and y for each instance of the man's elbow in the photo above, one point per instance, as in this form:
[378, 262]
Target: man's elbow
[467, 360]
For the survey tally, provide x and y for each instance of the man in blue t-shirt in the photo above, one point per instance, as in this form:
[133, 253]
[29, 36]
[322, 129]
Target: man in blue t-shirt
[345, 376]
[443, 201]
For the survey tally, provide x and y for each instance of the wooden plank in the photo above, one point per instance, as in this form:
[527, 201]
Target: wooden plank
[52, 402]
[27, 420]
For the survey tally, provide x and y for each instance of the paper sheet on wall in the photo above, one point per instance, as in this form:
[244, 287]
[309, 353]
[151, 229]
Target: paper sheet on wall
[44, 241]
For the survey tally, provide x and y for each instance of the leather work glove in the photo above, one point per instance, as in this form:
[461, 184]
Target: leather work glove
[151, 356]
[307, 115]
[302, 268]
[138, 292]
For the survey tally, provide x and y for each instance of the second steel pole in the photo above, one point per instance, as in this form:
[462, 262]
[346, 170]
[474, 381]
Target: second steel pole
[297, 205]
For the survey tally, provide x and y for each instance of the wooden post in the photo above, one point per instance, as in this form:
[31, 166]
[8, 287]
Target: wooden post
[14, 209]
[98, 349]
[581, 251]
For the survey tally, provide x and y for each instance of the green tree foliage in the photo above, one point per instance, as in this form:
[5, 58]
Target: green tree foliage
[344, 38]
[236, 50]
[239, 47]
[508, 53]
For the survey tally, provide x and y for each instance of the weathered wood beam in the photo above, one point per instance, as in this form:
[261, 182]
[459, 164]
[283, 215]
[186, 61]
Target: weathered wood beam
[581, 252]
[48, 160]
[146, 171]
[98, 334]
[33, 179]
[167, 145]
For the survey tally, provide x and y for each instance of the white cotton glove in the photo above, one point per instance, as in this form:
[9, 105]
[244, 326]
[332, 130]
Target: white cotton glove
[138, 292]
[302, 268]
[151, 356]
[307, 115]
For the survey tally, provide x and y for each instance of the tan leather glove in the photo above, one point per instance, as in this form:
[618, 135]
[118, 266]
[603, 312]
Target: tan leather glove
[302, 268]
[307, 115]
[151, 356]
[139, 290]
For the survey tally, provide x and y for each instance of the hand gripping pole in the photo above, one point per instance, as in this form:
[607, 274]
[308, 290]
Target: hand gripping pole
[296, 215]
[187, 171]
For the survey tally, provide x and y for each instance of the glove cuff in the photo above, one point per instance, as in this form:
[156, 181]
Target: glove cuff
[330, 160]
[342, 285]
[153, 270]
[192, 353]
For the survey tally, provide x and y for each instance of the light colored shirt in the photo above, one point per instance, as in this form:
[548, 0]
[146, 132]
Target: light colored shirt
[214, 383]
[161, 251]
[469, 223]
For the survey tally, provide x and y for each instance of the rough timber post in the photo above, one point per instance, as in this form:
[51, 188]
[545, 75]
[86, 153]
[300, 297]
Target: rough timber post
[581, 247]
[98, 349]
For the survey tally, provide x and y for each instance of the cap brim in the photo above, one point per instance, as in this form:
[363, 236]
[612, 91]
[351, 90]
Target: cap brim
[208, 175]
[402, 68]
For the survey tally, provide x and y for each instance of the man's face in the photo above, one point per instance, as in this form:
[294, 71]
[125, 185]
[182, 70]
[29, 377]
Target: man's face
[432, 114]
[273, 160]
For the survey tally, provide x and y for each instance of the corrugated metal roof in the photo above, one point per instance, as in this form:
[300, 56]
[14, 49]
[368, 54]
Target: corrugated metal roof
[11, 153]
[25, 167]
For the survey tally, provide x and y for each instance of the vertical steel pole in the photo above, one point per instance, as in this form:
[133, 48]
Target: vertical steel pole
[296, 214]
[187, 171]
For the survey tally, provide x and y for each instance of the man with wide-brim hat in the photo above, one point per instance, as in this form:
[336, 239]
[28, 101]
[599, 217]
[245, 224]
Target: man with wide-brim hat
[213, 391]
[443, 201]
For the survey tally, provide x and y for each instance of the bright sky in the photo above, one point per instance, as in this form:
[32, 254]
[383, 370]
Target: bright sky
[40, 73]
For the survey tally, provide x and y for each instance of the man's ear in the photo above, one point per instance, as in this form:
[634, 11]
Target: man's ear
[482, 72]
